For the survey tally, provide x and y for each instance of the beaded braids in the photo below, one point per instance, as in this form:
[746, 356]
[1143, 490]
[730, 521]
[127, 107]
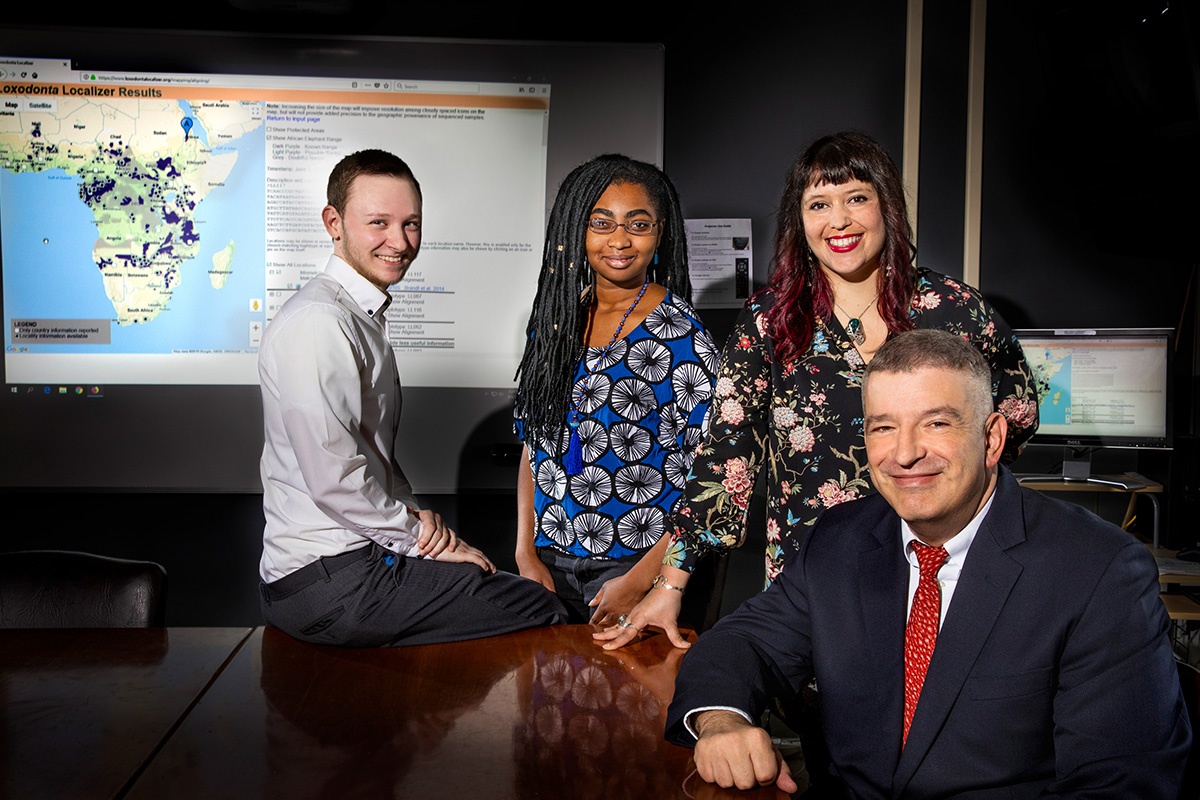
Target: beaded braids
[802, 292]
[556, 326]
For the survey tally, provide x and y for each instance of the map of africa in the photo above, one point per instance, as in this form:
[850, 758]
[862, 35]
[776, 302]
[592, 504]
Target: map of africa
[147, 213]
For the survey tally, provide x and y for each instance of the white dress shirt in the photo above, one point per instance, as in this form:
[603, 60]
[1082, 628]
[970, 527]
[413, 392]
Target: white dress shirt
[956, 555]
[331, 408]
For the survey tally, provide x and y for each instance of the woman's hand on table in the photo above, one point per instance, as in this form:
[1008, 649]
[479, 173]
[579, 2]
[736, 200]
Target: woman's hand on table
[618, 596]
[659, 609]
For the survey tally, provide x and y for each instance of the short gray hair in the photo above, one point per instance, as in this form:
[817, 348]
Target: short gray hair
[915, 350]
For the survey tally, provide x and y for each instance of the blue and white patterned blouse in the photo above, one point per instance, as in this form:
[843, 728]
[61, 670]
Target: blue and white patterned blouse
[644, 412]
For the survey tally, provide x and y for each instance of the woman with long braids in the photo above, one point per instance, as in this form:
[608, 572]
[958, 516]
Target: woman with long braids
[612, 390]
[788, 396]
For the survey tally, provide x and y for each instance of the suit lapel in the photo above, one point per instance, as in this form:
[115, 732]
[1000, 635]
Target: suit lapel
[984, 584]
[883, 583]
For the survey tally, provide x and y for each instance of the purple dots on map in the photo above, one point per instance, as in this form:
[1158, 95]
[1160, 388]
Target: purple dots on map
[186, 122]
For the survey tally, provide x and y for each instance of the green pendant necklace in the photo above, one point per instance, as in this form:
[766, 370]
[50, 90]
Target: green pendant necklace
[855, 327]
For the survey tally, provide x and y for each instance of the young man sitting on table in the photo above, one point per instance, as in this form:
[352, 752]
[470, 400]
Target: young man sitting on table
[349, 557]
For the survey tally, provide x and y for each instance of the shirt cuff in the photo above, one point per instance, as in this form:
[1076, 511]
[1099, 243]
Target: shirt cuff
[687, 718]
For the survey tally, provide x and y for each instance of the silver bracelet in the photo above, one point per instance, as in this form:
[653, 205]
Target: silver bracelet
[660, 582]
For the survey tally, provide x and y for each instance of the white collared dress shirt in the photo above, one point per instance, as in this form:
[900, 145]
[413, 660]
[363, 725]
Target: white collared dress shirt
[956, 556]
[331, 409]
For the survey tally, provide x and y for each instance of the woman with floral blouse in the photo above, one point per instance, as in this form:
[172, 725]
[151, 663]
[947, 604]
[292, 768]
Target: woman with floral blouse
[788, 396]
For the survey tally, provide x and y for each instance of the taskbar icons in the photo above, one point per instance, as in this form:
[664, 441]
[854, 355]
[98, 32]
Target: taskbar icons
[58, 389]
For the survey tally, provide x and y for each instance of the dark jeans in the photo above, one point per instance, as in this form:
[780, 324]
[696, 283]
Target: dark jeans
[579, 579]
[359, 599]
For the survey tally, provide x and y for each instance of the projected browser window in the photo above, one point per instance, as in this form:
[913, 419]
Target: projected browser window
[152, 224]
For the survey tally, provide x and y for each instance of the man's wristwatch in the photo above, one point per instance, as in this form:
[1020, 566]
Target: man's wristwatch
[660, 582]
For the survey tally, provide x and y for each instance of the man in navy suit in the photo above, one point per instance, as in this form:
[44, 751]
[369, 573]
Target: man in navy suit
[1033, 662]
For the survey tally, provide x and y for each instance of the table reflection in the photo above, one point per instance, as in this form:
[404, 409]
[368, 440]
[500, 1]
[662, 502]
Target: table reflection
[537, 714]
[592, 721]
[527, 715]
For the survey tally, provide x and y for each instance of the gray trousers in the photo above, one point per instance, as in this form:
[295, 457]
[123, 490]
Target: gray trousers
[359, 599]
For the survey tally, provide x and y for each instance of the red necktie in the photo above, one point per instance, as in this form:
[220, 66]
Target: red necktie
[921, 634]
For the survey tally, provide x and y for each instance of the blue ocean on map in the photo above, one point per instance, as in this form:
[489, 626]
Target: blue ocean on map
[47, 258]
[58, 279]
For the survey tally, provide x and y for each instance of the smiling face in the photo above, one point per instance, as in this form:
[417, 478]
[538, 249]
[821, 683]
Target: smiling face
[620, 259]
[933, 455]
[843, 224]
[379, 231]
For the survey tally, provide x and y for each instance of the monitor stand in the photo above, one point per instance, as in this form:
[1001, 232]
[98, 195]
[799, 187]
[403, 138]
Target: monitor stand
[1077, 476]
[1077, 468]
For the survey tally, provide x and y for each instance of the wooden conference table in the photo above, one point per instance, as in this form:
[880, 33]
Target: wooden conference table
[239, 713]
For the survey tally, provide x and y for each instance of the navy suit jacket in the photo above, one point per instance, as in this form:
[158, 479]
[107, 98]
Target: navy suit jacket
[1052, 675]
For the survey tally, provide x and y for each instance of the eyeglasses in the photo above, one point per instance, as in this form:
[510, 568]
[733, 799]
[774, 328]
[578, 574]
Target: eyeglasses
[635, 227]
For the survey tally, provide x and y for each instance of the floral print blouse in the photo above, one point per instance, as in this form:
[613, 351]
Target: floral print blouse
[802, 421]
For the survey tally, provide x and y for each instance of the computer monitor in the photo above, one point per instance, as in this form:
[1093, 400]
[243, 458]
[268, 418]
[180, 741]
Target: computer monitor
[1100, 387]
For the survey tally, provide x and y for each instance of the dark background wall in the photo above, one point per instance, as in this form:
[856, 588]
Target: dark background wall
[1091, 162]
[743, 96]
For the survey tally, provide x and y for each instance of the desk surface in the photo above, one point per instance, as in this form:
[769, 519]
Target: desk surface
[85, 710]
[1051, 483]
[542, 713]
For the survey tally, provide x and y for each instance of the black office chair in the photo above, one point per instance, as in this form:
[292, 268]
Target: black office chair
[61, 589]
